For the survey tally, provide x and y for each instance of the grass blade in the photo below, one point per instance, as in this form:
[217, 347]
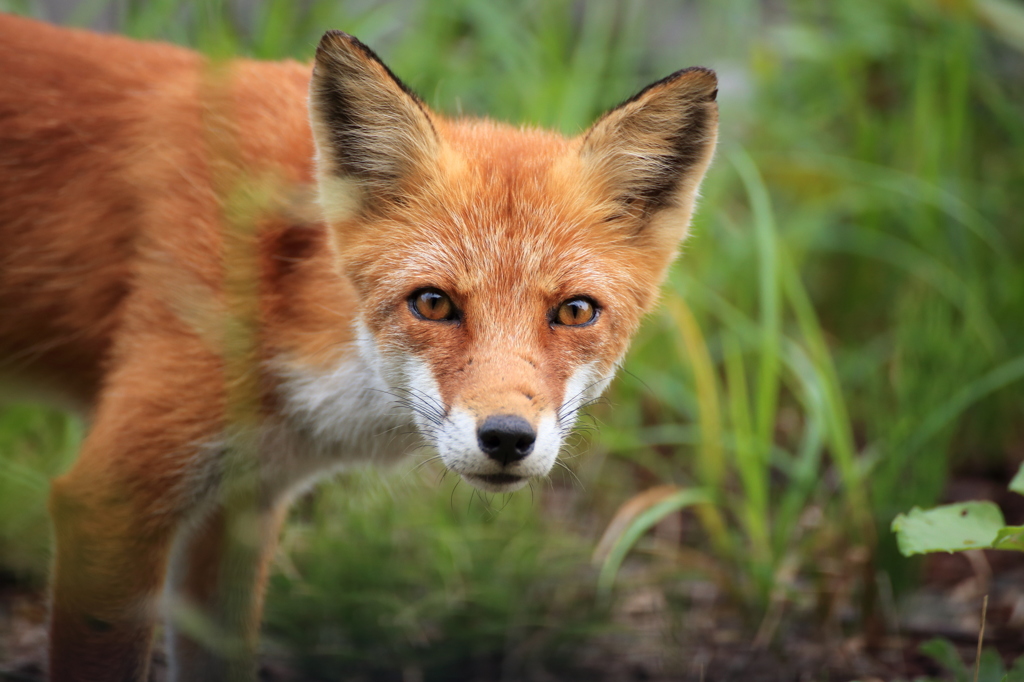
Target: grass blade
[635, 518]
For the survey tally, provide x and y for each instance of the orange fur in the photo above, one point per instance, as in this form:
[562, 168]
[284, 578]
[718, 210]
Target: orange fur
[165, 269]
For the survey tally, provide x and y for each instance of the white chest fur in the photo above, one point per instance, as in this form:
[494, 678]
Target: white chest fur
[332, 418]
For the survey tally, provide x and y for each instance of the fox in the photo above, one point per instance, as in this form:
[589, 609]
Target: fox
[246, 275]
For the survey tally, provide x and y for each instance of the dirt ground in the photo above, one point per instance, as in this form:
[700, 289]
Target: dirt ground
[710, 643]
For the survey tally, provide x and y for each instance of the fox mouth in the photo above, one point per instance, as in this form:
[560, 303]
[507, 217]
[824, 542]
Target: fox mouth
[497, 483]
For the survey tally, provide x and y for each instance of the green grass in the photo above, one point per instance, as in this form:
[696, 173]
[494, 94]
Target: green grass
[844, 329]
[854, 278]
[36, 443]
[438, 583]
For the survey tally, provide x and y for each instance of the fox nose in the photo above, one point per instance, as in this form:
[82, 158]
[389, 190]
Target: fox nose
[506, 438]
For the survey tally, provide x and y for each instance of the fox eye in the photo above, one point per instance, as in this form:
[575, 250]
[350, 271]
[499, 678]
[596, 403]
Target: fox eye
[576, 312]
[432, 304]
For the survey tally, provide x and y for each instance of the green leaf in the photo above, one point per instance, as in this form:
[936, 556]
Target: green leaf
[1010, 537]
[949, 528]
[990, 667]
[1016, 673]
[945, 653]
[1017, 484]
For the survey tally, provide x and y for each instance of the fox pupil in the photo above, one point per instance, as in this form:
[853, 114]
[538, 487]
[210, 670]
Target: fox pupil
[575, 312]
[433, 305]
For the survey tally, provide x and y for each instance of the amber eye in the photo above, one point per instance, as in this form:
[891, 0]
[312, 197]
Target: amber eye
[576, 312]
[432, 304]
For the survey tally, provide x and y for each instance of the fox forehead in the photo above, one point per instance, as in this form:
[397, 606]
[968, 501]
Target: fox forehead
[503, 213]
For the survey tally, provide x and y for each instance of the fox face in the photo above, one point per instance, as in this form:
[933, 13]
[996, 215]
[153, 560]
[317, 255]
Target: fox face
[500, 272]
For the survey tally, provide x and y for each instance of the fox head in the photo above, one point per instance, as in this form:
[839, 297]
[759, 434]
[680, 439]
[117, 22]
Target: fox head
[501, 271]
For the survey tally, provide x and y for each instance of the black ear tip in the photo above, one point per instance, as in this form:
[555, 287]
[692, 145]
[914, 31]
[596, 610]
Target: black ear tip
[698, 82]
[334, 40]
[701, 79]
[330, 42]
[335, 36]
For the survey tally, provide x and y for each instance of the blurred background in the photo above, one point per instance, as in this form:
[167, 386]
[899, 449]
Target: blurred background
[842, 339]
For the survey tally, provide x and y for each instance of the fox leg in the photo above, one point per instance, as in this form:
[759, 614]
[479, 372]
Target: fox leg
[215, 592]
[144, 468]
[112, 540]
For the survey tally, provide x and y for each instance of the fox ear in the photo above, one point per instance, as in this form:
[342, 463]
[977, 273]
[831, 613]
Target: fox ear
[652, 150]
[372, 133]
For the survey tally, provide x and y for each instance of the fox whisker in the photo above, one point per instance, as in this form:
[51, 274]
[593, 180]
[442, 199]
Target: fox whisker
[425, 462]
[572, 473]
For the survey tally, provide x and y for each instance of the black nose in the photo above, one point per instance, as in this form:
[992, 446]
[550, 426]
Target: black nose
[506, 438]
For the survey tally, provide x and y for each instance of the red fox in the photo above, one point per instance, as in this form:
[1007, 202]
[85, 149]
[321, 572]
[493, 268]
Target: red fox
[310, 261]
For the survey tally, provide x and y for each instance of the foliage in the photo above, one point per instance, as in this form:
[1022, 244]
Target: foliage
[391, 577]
[957, 527]
[849, 291]
[990, 666]
[36, 443]
[633, 520]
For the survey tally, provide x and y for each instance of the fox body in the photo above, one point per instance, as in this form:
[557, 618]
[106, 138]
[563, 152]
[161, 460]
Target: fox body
[199, 255]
